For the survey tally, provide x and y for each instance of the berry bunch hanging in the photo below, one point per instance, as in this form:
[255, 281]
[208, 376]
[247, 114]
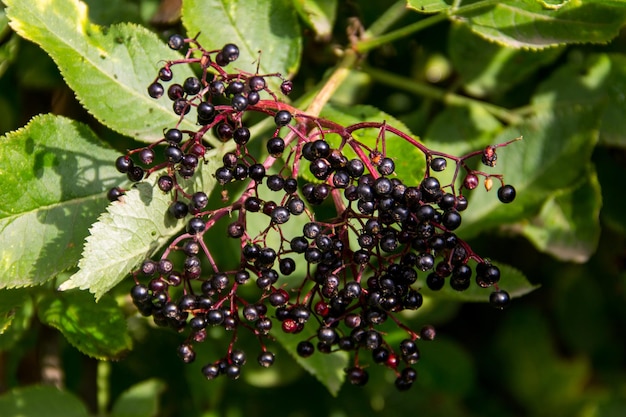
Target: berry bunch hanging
[361, 266]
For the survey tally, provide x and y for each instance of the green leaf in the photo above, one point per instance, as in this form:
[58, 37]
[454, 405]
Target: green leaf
[16, 312]
[535, 24]
[96, 329]
[554, 155]
[37, 401]
[596, 79]
[512, 281]
[488, 68]
[10, 301]
[429, 6]
[536, 374]
[327, 368]
[109, 69]
[568, 225]
[140, 400]
[266, 31]
[319, 15]
[130, 231]
[53, 173]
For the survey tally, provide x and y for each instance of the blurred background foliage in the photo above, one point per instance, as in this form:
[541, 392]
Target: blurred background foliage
[559, 351]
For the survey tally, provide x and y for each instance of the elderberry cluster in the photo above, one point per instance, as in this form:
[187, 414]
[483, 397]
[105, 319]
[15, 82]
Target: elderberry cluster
[338, 279]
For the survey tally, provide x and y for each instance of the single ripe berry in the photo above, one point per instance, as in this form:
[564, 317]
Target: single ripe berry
[175, 91]
[165, 183]
[135, 174]
[506, 193]
[239, 102]
[438, 164]
[499, 299]
[230, 52]
[282, 118]
[241, 135]
[266, 359]
[275, 146]
[123, 164]
[286, 87]
[176, 42]
[256, 83]
[174, 136]
[195, 226]
[192, 86]
[146, 156]
[155, 90]
[165, 74]
[114, 193]
[386, 166]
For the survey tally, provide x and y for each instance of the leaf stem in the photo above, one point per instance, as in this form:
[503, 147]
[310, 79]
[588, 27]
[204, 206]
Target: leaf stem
[388, 18]
[426, 90]
[104, 388]
[372, 43]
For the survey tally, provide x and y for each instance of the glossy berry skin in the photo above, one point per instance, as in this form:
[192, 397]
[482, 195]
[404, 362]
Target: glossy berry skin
[438, 164]
[123, 164]
[192, 86]
[275, 146]
[282, 118]
[506, 193]
[176, 42]
[114, 193]
[499, 299]
[230, 52]
[155, 90]
[195, 226]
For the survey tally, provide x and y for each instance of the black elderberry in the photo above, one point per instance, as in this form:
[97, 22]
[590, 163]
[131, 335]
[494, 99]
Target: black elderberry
[217, 88]
[146, 156]
[282, 118]
[438, 164]
[355, 168]
[224, 132]
[139, 293]
[165, 74]
[253, 98]
[176, 42]
[428, 333]
[178, 209]
[451, 219]
[135, 173]
[199, 200]
[230, 52]
[115, 193]
[173, 154]
[242, 276]
[506, 193]
[305, 349]
[357, 376]
[256, 172]
[155, 90]
[299, 244]
[175, 91]
[191, 248]
[487, 274]
[223, 175]
[280, 215]
[195, 225]
[206, 113]
[320, 168]
[275, 146]
[252, 204]
[241, 135]
[186, 353]
[181, 106]
[123, 164]
[239, 102]
[386, 166]
[192, 86]
[256, 83]
[236, 230]
[266, 359]
[235, 87]
[286, 87]
[341, 179]
[174, 136]
[470, 181]
[251, 252]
